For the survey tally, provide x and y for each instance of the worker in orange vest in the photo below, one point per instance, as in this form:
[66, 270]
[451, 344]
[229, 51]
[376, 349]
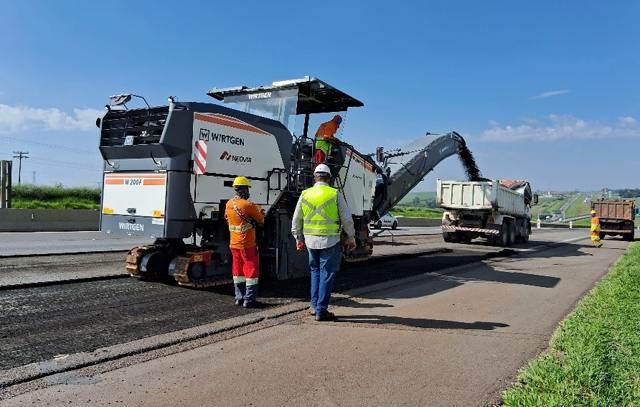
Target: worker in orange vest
[243, 216]
[595, 229]
[325, 137]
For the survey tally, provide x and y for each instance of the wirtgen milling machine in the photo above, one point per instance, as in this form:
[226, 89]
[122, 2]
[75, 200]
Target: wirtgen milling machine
[168, 173]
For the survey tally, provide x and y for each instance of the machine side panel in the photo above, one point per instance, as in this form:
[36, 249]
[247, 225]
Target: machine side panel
[226, 147]
[232, 146]
[357, 179]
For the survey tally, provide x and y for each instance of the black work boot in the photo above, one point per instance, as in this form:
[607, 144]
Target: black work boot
[325, 316]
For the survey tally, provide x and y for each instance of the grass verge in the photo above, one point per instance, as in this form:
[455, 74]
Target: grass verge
[417, 212]
[54, 197]
[594, 357]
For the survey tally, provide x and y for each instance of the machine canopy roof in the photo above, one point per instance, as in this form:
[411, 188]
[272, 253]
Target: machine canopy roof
[314, 95]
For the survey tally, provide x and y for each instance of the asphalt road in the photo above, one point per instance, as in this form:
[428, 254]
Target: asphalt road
[41, 322]
[28, 243]
[440, 336]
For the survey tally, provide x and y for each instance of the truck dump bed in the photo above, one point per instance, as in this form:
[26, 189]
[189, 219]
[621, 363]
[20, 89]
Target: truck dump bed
[621, 210]
[478, 196]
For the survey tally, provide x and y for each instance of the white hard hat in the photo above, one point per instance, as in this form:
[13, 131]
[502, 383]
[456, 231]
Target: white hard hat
[322, 169]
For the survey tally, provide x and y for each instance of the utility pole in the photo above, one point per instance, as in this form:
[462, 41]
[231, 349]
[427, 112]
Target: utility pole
[20, 155]
[5, 183]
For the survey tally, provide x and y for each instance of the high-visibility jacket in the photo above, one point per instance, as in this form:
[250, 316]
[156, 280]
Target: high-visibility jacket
[242, 215]
[327, 130]
[595, 225]
[325, 135]
[320, 213]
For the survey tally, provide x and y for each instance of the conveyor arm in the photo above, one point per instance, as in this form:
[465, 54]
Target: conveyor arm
[403, 174]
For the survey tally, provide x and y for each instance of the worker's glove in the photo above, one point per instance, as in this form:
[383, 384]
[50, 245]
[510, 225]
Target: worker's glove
[351, 244]
[300, 246]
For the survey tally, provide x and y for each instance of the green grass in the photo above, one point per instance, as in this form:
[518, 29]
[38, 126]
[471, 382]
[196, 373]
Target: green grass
[422, 199]
[417, 212]
[578, 207]
[594, 357]
[54, 197]
[547, 206]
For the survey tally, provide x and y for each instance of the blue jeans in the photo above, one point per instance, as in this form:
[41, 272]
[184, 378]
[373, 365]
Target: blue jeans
[323, 264]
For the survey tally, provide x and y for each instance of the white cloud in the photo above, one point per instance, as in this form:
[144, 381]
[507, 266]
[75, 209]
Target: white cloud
[551, 93]
[627, 121]
[16, 118]
[557, 127]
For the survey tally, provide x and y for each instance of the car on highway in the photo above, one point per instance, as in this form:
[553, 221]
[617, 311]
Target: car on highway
[386, 221]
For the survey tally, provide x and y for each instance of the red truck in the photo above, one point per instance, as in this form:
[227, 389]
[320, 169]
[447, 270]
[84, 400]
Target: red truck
[616, 218]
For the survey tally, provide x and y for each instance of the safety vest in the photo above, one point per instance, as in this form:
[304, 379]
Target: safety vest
[320, 211]
[246, 224]
[324, 146]
[595, 224]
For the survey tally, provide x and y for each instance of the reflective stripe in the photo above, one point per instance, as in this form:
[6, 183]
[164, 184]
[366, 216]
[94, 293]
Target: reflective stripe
[252, 281]
[241, 229]
[238, 279]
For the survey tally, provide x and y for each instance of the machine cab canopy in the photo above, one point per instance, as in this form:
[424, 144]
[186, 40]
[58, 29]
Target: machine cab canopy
[282, 100]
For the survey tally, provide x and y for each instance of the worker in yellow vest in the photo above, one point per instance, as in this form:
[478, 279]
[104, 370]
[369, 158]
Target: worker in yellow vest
[595, 229]
[319, 217]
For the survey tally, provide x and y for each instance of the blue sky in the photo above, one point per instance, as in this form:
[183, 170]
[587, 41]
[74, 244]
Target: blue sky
[547, 91]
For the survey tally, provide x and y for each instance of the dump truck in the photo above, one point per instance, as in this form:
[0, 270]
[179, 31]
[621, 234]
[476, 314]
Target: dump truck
[499, 210]
[168, 173]
[616, 217]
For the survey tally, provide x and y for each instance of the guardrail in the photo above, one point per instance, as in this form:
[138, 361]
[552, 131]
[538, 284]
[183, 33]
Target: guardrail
[48, 220]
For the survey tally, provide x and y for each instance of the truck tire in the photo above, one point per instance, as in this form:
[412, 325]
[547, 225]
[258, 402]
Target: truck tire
[602, 235]
[503, 238]
[525, 233]
[630, 237]
[513, 233]
[446, 236]
[395, 225]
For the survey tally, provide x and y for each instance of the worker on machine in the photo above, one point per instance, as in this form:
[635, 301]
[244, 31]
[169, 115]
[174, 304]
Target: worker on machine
[325, 138]
[243, 216]
[595, 229]
[319, 216]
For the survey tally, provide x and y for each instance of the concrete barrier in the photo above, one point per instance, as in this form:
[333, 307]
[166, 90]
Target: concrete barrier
[418, 222]
[48, 220]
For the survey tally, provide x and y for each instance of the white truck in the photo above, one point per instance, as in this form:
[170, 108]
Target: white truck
[499, 210]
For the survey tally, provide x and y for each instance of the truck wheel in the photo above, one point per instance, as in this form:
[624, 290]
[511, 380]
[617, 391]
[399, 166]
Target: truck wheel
[394, 226]
[602, 235]
[512, 233]
[629, 237]
[503, 237]
[525, 236]
[446, 237]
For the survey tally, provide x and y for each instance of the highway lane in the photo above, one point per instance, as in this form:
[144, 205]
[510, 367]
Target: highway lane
[40, 322]
[27, 243]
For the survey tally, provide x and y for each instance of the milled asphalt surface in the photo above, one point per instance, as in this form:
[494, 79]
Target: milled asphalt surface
[41, 322]
[451, 338]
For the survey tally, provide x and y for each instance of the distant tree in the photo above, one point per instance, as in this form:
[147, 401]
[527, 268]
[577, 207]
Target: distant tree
[416, 201]
[628, 193]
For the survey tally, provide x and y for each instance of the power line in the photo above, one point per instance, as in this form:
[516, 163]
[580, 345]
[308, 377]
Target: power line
[56, 146]
[20, 155]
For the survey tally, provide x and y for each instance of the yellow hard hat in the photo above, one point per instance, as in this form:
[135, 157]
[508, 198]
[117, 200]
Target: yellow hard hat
[593, 211]
[241, 182]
